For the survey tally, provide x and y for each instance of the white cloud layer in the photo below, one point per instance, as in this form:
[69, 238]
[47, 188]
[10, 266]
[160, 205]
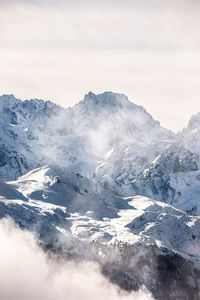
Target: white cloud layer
[26, 273]
[147, 49]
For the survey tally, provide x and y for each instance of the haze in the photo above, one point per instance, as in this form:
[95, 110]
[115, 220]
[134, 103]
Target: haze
[60, 50]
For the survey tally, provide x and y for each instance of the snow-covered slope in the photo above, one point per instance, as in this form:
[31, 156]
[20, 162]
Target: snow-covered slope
[134, 239]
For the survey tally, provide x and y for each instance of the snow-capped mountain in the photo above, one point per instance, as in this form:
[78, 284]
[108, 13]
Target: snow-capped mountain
[34, 133]
[103, 180]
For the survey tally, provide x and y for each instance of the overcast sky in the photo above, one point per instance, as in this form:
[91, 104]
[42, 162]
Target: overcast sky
[147, 49]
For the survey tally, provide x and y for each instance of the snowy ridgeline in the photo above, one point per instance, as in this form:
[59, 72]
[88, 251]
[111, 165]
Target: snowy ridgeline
[106, 138]
[104, 180]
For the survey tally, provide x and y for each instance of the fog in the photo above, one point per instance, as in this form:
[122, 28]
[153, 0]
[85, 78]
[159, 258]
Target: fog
[27, 273]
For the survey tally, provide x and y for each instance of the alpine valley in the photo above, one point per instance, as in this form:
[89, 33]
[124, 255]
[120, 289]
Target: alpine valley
[103, 181]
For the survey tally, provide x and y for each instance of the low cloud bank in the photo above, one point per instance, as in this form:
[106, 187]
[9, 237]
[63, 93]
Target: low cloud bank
[27, 273]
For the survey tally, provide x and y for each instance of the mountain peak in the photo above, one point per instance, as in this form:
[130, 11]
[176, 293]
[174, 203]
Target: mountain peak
[108, 99]
[8, 99]
[194, 121]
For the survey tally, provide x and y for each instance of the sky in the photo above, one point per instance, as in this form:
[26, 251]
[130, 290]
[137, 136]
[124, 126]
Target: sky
[60, 50]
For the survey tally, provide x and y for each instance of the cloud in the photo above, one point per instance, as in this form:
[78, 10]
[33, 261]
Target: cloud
[27, 273]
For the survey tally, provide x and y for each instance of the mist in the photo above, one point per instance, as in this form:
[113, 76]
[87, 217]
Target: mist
[27, 273]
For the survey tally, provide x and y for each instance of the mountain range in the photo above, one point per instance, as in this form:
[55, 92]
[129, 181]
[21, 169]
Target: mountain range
[104, 181]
